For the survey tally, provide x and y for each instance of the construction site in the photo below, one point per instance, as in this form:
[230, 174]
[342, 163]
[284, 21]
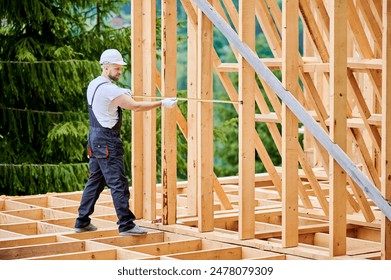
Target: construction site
[329, 199]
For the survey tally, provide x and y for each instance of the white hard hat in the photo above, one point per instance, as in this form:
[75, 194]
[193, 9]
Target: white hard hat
[112, 56]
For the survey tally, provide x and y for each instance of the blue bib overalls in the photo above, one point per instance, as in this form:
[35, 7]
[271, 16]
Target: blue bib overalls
[106, 168]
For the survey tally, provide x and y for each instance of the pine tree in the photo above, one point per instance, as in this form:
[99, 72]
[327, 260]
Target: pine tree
[48, 54]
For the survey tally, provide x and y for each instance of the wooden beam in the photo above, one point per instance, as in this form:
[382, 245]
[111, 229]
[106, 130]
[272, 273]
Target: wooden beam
[386, 129]
[290, 153]
[192, 113]
[373, 26]
[338, 104]
[41, 250]
[205, 123]
[137, 117]
[149, 117]
[246, 123]
[363, 45]
[313, 29]
[168, 248]
[169, 89]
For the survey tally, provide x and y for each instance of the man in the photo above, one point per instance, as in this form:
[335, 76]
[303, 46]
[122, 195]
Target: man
[105, 149]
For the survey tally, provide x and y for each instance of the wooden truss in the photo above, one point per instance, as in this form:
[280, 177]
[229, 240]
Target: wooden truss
[311, 207]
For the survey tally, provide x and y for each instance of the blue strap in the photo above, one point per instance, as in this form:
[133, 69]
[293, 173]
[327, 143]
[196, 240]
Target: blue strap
[93, 96]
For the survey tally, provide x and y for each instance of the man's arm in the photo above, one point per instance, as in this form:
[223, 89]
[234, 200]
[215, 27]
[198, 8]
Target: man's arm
[126, 102]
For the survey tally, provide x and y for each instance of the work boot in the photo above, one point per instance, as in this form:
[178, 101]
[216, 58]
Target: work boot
[90, 227]
[136, 230]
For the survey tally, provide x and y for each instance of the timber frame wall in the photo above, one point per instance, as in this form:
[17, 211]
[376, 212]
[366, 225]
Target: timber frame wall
[308, 208]
[342, 79]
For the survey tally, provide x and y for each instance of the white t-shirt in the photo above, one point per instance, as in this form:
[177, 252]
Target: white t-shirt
[105, 113]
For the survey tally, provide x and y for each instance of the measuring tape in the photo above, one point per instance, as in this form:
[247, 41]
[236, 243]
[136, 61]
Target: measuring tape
[190, 99]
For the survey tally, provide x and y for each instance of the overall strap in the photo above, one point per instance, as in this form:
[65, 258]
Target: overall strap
[93, 96]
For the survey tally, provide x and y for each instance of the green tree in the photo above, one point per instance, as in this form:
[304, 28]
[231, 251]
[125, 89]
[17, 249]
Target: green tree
[48, 54]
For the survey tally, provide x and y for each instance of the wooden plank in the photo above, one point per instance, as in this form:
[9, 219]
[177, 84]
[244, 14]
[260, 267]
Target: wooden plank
[9, 234]
[23, 252]
[26, 228]
[191, 12]
[93, 234]
[232, 11]
[303, 230]
[269, 25]
[234, 253]
[246, 123]
[149, 117]
[192, 113]
[219, 191]
[110, 254]
[353, 122]
[255, 254]
[204, 123]
[125, 241]
[137, 117]
[376, 7]
[232, 216]
[313, 29]
[386, 130]
[338, 103]
[373, 26]
[168, 248]
[25, 241]
[290, 153]
[362, 201]
[323, 17]
[233, 14]
[169, 89]
[39, 214]
[358, 31]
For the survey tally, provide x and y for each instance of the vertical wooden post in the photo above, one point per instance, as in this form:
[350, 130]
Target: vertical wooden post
[246, 124]
[290, 153]
[338, 103]
[205, 124]
[192, 118]
[137, 117]
[386, 128]
[168, 87]
[149, 125]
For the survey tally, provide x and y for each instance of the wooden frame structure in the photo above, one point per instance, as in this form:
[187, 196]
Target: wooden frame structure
[340, 86]
[311, 207]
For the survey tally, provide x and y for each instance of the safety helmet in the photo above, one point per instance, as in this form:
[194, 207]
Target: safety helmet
[112, 56]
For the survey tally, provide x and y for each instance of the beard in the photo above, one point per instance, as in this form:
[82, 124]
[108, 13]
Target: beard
[114, 78]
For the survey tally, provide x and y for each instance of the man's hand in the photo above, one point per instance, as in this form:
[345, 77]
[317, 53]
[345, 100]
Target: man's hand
[169, 102]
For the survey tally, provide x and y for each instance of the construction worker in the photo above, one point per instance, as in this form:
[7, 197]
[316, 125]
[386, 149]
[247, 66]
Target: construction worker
[105, 150]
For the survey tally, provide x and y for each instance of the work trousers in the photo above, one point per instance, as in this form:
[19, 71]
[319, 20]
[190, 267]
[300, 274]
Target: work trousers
[106, 168]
